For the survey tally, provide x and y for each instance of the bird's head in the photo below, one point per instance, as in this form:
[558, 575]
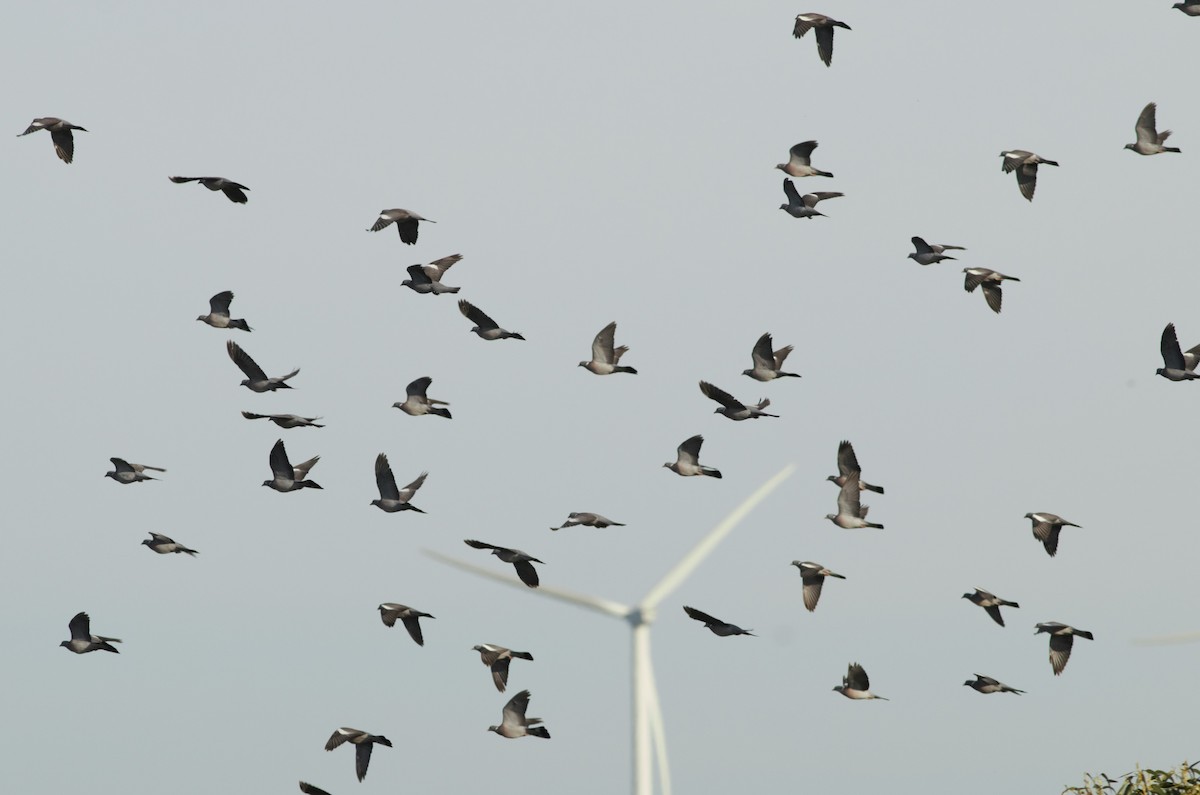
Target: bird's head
[148, 542]
[783, 206]
[967, 596]
[406, 283]
[667, 465]
[968, 683]
[584, 364]
[1161, 371]
[1131, 146]
[781, 166]
[66, 643]
[267, 482]
[397, 405]
[495, 729]
[246, 382]
[831, 517]
[832, 478]
[838, 688]
[717, 411]
[1029, 516]
[377, 503]
[202, 317]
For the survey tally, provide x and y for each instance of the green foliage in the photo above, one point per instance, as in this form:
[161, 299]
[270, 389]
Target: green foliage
[1184, 780]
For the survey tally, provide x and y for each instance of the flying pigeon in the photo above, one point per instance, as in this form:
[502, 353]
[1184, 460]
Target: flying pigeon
[392, 499]
[1149, 139]
[687, 459]
[232, 190]
[823, 29]
[416, 403]
[986, 684]
[405, 221]
[799, 163]
[125, 472]
[768, 364]
[256, 380]
[390, 611]
[804, 206]
[363, 743]
[514, 723]
[285, 420]
[991, 603]
[485, 328]
[1061, 639]
[733, 408]
[285, 476]
[164, 545]
[856, 685]
[521, 561]
[1026, 166]
[218, 313]
[60, 134]
[605, 358]
[575, 519]
[497, 658]
[82, 640]
[813, 575]
[718, 627]
[927, 254]
[990, 281]
[851, 513]
[1046, 527]
[1177, 365]
[847, 466]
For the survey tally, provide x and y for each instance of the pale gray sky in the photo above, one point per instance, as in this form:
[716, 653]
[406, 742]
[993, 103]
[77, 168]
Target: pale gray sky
[595, 163]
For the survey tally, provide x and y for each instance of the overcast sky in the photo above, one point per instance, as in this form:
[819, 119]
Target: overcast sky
[595, 163]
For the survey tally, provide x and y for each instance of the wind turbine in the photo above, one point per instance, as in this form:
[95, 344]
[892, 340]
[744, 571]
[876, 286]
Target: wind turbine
[647, 713]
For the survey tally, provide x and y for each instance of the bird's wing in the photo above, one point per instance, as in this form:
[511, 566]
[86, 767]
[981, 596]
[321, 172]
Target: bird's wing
[848, 498]
[721, 396]
[340, 736]
[526, 572]
[856, 678]
[219, 303]
[514, 710]
[1169, 346]
[121, 464]
[800, 153]
[280, 466]
[1146, 127]
[689, 451]
[993, 295]
[602, 346]
[418, 274]
[921, 246]
[234, 191]
[476, 315]
[413, 625]
[1060, 651]
[763, 358]
[388, 614]
[362, 758]
[994, 612]
[825, 43]
[64, 144]
[811, 199]
[417, 388]
[499, 666]
[244, 362]
[789, 189]
[701, 616]
[81, 627]
[803, 24]
[408, 491]
[847, 461]
[300, 471]
[1027, 179]
[382, 221]
[973, 277]
[181, 180]
[480, 545]
[812, 591]
[1013, 159]
[309, 789]
[162, 538]
[437, 269]
[384, 479]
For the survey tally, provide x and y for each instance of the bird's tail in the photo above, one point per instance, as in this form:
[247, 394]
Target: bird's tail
[1048, 163]
[524, 655]
[876, 489]
[538, 731]
[156, 469]
[1083, 634]
[623, 369]
[440, 412]
[242, 324]
[1172, 149]
[876, 526]
[310, 484]
[782, 374]
[191, 552]
[827, 174]
[514, 335]
[712, 473]
[617, 524]
[1008, 604]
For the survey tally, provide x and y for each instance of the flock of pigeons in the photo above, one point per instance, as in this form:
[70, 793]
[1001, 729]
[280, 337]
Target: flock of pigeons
[767, 365]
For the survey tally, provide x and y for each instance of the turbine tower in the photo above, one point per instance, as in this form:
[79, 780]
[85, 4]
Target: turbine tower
[647, 713]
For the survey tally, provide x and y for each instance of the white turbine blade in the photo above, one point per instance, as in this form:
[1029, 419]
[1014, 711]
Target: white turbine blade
[683, 568]
[1168, 640]
[642, 784]
[591, 602]
[657, 733]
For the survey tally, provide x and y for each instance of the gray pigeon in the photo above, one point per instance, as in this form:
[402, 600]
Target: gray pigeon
[990, 281]
[1149, 139]
[687, 459]
[733, 408]
[285, 420]
[1046, 527]
[60, 134]
[521, 561]
[804, 206]
[986, 684]
[256, 380]
[768, 364]
[991, 603]
[1177, 366]
[82, 640]
[362, 742]
[823, 29]
[605, 358]
[285, 477]
[856, 685]
[851, 513]
[125, 472]
[813, 575]
[1061, 639]
[514, 723]
[405, 221]
[416, 403]
[799, 163]
[390, 611]
[497, 658]
[218, 313]
[1191, 8]
[485, 328]
[165, 546]
[718, 627]
[847, 466]
[575, 519]
[393, 499]
[1026, 166]
[927, 253]
[426, 279]
[232, 190]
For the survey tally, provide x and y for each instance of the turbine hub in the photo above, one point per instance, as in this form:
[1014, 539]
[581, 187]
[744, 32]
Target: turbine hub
[641, 615]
